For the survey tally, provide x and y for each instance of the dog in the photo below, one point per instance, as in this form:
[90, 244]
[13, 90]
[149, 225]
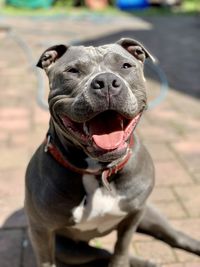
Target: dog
[92, 174]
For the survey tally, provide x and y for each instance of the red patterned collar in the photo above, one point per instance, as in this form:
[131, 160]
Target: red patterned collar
[105, 172]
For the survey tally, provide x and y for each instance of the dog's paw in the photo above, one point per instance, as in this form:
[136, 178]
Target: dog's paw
[123, 261]
[136, 262]
[119, 261]
[48, 264]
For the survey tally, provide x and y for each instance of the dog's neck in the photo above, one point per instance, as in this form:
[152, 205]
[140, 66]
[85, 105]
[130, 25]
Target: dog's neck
[75, 159]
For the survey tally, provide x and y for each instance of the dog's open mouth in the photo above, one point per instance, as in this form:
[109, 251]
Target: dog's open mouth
[108, 130]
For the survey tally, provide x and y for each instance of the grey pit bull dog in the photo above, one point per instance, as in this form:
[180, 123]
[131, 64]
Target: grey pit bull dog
[92, 175]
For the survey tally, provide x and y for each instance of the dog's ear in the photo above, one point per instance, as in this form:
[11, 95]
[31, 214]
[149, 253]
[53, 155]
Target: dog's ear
[51, 55]
[136, 49]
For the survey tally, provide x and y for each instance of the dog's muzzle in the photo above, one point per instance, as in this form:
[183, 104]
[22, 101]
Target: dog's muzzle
[99, 119]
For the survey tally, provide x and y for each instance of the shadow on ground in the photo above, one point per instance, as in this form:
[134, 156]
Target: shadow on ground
[17, 237]
[17, 240]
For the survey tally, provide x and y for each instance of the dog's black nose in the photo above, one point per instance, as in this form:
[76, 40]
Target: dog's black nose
[106, 81]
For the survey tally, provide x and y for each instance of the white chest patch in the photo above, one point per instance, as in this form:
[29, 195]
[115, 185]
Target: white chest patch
[101, 210]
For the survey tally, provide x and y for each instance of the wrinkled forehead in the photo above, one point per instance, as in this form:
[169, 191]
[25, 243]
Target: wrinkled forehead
[105, 49]
[91, 53]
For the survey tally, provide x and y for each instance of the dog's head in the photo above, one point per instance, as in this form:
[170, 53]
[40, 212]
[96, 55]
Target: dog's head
[97, 94]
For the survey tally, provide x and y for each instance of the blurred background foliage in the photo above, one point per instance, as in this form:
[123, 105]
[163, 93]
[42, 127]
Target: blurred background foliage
[71, 6]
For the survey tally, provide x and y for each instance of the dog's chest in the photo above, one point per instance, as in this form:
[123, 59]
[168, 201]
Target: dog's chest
[99, 210]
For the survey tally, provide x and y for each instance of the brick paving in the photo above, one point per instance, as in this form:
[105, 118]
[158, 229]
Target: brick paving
[171, 131]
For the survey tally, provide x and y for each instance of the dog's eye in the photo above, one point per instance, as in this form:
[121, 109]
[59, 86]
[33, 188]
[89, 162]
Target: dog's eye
[73, 70]
[126, 66]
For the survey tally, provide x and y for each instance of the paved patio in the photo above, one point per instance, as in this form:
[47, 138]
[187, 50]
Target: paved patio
[171, 131]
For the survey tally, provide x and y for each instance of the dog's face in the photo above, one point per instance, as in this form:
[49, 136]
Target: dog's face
[97, 94]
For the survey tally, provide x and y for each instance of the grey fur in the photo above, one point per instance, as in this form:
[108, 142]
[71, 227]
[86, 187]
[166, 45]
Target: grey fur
[84, 82]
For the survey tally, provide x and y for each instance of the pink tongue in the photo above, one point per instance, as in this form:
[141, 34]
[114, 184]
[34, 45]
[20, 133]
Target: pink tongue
[107, 131]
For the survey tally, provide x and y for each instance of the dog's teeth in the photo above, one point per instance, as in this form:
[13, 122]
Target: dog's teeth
[122, 124]
[85, 128]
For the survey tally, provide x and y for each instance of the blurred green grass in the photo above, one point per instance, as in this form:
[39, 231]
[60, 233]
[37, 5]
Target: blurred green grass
[65, 7]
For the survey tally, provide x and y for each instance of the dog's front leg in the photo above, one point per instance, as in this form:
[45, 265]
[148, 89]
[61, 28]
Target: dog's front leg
[125, 231]
[43, 242]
